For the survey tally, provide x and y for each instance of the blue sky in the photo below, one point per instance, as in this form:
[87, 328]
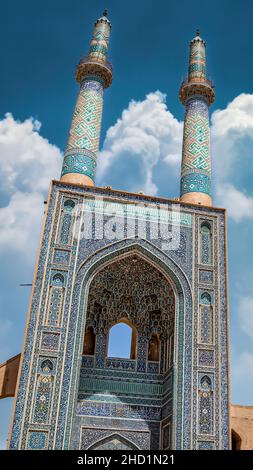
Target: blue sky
[41, 43]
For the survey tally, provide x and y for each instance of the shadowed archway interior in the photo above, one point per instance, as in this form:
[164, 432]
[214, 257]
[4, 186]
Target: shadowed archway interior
[136, 391]
[236, 440]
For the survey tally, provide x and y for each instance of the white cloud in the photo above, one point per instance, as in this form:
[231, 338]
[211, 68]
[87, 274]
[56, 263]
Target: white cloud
[20, 222]
[232, 144]
[236, 117]
[147, 132]
[232, 127]
[246, 315]
[28, 162]
[237, 203]
[144, 139]
[147, 135]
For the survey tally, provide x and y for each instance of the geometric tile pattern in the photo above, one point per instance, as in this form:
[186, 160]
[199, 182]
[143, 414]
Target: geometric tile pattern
[50, 341]
[37, 440]
[85, 126]
[205, 277]
[197, 62]
[84, 164]
[55, 306]
[66, 222]
[196, 161]
[206, 324]
[195, 182]
[100, 41]
[122, 439]
[206, 244]
[205, 445]
[43, 399]
[205, 406]
[83, 142]
[61, 256]
[65, 228]
[196, 136]
[206, 357]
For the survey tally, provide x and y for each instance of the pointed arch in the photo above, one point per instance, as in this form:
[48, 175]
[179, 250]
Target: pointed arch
[113, 442]
[183, 325]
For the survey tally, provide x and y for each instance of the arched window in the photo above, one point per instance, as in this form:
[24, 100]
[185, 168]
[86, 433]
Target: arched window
[154, 348]
[122, 341]
[47, 366]
[58, 280]
[69, 205]
[66, 222]
[89, 342]
[206, 383]
[206, 319]
[205, 243]
[206, 298]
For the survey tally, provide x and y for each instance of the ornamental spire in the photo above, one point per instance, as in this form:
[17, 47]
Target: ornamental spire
[94, 73]
[196, 93]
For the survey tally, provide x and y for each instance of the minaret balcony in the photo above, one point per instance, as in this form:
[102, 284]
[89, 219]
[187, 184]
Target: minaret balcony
[95, 66]
[197, 87]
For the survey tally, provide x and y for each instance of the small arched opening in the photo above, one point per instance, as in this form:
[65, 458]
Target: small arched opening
[122, 340]
[89, 342]
[206, 243]
[154, 348]
[236, 441]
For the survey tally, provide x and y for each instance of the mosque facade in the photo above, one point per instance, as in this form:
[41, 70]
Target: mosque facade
[157, 265]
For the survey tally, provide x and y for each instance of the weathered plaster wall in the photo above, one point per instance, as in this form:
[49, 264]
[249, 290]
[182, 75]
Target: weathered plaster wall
[242, 425]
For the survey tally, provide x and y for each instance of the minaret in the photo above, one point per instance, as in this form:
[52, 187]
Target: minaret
[94, 73]
[196, 93]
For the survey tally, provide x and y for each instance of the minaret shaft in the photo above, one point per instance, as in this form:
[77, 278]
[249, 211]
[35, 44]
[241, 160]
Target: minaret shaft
[94, 74]
[196, 162]
[196, 94]
[83, 141]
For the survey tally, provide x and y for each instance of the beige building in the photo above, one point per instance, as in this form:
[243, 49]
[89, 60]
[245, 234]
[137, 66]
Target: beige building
[242, 427]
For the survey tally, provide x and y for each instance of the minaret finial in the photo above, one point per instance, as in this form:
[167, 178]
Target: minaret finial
[94, 73]
[105, 12]
[196, 93]
[197, 32]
